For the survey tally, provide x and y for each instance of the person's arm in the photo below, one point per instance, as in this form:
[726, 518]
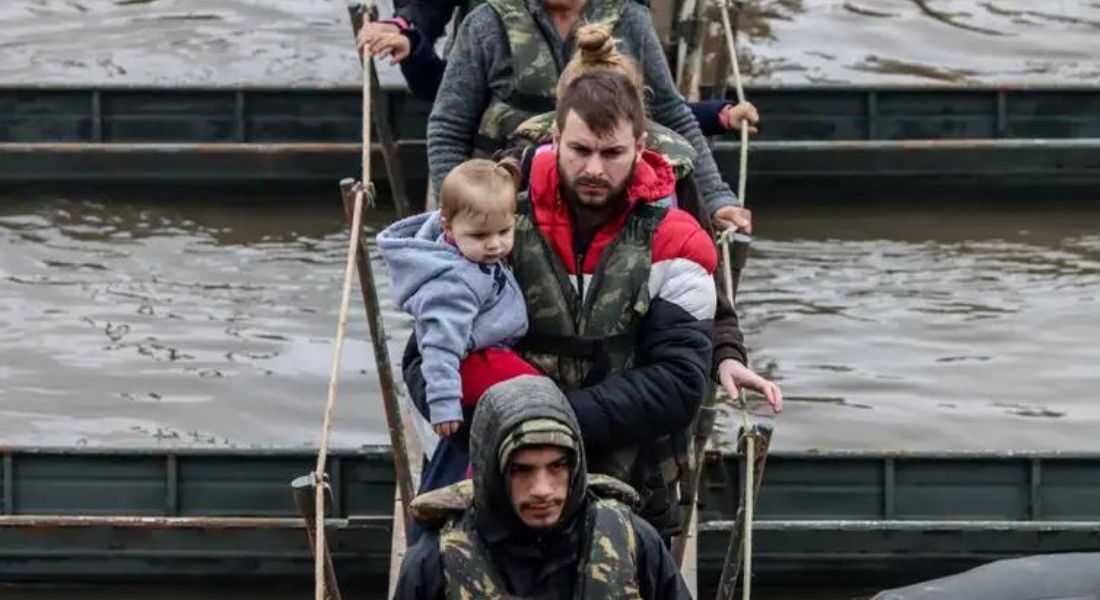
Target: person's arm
[429, 16]
[413, 376]
[662, 393]
[669, 109]
[445, 311]
[423, 69]
[658, 577]
[729, 342]
[463, 95]
[421, 576]
[708, 114]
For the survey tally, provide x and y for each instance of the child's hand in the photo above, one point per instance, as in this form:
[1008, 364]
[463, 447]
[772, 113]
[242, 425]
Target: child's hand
[446, 428]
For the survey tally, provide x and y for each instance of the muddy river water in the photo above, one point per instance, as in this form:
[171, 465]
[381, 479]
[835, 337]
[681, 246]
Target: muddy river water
[166, 319]
[307, 42]
[175, 322]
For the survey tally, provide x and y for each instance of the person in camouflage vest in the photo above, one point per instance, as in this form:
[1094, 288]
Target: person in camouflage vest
[505, 64]
[408, 39]
[532, 525]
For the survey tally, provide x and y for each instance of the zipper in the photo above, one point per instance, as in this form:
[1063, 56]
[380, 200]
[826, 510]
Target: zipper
[580, 272]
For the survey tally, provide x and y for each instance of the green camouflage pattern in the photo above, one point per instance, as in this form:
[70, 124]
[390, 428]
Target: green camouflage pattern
[432, 509]
[607, 570]
[467, 566]
[535, 69]
[498, 122]
[605, 486]
[676, 149]
[615, 301]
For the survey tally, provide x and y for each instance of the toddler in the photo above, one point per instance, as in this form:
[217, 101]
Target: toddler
[447, 268]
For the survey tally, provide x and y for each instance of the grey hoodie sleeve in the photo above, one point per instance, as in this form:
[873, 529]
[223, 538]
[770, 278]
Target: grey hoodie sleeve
[445, 313]
[463, 95]
[668, 107]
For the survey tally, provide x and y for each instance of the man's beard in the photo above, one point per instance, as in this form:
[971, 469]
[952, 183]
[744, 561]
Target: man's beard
[613, 200]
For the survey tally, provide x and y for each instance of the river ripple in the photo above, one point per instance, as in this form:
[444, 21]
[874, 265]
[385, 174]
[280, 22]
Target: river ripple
[173, 323]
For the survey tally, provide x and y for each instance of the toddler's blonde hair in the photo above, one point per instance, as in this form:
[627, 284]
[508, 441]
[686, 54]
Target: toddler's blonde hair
[479, 187]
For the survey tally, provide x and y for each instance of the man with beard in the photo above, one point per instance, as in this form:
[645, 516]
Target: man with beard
[532, 527]
[619, 290]
[503, 69]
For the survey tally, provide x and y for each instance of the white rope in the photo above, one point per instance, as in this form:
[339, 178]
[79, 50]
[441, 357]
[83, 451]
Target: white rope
[320, 483]
[334, 376]
[725, 238]
[750, 481]
[731, 47]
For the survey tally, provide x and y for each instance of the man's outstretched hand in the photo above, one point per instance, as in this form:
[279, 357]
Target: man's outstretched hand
[738, 218]
[733, 375]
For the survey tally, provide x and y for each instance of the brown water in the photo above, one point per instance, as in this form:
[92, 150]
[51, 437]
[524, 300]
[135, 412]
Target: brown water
[179, 323]
[308, 43]
[1055, 42]
[171, 322]
[175, 323]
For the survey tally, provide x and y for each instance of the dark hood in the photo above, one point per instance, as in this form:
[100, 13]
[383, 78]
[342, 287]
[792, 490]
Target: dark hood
[500, 413]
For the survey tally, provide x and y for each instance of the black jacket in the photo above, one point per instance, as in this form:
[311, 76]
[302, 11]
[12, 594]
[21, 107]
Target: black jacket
[541, 570]
[532, 563]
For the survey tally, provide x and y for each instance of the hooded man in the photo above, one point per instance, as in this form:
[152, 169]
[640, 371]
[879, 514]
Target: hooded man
[534, 528]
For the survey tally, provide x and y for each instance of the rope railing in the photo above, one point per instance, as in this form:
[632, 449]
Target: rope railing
[320, 547]
[750, 436]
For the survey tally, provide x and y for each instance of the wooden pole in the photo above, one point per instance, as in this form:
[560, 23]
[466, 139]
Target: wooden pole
[390, 402]
[359, 14]
[760, 436]
[735, 253]
[689, 482]
[305, 501]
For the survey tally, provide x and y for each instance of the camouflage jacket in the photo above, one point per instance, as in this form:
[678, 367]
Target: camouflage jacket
[606, 569]
[613, 548]
[578, 339]
[535, 70]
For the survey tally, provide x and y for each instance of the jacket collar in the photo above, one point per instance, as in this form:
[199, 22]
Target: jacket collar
[653, 180]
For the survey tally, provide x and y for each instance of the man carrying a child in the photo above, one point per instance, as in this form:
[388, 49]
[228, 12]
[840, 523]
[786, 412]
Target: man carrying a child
[619, 292]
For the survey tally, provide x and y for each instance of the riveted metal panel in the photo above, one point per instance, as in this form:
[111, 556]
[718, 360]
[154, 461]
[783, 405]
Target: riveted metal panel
[1054, 114]
[179, 116]
[805, 488]
[45, 116]
[239, 486]
[1070, 490]
[92, 485]
[304, 116]
[911, 115]
[368, 485]
[963, 489]
[810, 115]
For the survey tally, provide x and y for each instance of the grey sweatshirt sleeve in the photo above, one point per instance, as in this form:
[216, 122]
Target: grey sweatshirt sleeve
[668, 107]
[463, 94]
[445, 313]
